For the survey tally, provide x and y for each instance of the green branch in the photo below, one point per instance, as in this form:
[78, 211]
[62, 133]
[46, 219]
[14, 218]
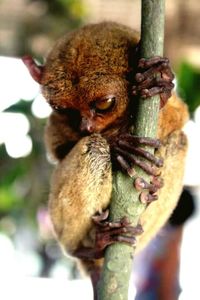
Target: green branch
[125, 201]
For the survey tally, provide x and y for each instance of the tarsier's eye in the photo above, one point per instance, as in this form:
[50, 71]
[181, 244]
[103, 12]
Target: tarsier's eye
[104, 105]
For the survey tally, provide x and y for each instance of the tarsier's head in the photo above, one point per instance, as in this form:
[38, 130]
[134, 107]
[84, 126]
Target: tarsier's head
[89, 72]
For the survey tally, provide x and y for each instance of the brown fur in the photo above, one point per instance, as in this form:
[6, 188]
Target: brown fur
[88, 64]
[85, 175]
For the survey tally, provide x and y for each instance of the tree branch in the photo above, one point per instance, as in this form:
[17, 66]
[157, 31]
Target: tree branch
[125, 201]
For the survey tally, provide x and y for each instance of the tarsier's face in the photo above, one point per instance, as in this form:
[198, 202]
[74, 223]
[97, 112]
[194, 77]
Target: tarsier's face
[87, 74]
[96, 100]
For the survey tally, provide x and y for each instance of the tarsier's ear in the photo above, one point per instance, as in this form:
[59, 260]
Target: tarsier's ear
[35, 70]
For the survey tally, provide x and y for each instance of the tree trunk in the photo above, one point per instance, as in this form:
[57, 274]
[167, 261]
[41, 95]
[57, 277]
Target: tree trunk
[125, 201]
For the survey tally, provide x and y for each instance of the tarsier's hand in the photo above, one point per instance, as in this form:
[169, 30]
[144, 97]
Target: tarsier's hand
[154, 77]
[126, 149]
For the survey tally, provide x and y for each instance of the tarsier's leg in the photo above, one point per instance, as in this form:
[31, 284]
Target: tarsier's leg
[154, 77]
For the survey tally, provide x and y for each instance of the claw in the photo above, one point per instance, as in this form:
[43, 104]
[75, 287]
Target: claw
[97, 219]
[145, 197]
[141, 184]
[157, 182]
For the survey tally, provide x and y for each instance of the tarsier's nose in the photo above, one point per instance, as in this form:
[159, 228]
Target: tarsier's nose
[86, 126]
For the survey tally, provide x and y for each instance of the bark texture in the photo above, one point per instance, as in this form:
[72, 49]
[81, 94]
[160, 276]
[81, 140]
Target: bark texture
[125, 201]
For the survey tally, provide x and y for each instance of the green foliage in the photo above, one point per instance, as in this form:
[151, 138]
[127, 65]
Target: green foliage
[24, 181]
[58, 18]
[72, 8]
[8, 199]
[21, 106]
[189, 85]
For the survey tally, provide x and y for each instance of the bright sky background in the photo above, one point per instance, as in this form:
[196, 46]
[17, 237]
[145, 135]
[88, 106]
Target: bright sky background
[16, 84]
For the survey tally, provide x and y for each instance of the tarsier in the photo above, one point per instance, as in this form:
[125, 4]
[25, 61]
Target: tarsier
[91, 79]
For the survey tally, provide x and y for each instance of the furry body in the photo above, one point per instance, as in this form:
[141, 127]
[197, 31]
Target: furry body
[83, 67]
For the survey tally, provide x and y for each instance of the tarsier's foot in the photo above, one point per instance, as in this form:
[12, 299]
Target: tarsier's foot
[108, 233]
[111, 232]
[154, 77]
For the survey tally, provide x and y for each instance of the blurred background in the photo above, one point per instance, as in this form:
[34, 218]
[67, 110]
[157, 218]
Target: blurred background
[27, 247]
